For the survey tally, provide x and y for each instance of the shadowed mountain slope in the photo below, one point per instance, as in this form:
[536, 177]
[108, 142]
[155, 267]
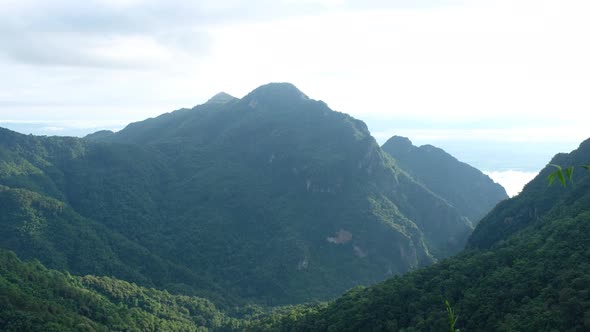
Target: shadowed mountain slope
[469, 190]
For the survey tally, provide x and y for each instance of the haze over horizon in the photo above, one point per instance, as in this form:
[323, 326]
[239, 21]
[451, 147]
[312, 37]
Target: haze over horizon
[498, 84]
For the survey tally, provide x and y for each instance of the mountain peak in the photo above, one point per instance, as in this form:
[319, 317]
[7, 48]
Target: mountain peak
[221, 98]
[275, 92]
[279, 87]
[399, 143]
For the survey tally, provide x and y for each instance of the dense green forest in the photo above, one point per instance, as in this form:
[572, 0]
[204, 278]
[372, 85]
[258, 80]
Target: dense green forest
[298, 202]
[33, 298]
[522, 271]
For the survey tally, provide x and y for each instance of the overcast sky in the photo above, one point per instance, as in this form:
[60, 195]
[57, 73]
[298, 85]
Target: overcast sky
[501, 84]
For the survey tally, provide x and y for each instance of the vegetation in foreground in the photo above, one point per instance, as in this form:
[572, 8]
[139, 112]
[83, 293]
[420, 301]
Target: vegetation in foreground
[33, 298]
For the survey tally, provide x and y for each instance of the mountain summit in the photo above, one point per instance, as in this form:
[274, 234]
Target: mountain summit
[284, 95]
[282, 91]
[399, 144]
[221, 98]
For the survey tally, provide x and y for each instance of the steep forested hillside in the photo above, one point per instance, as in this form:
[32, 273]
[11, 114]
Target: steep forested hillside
[469, 190]
[33, 298]
[40, 180]
[530, 273]
[538, 201]
[272, 198]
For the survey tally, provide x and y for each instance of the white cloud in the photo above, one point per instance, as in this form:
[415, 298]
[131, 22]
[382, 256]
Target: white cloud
[131, 49]
[513, 181]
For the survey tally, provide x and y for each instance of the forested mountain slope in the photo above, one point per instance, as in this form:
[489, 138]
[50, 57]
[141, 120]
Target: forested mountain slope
[530, 273]
[473, 193]
[33, 298]
[538, 201]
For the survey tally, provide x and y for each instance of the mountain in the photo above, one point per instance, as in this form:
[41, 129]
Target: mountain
[473, 193]
[527, 269]
[273, 198]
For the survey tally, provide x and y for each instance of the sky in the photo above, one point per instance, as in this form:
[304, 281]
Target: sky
[500, 84]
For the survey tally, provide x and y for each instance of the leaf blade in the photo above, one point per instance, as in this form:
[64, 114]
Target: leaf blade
[569, 172]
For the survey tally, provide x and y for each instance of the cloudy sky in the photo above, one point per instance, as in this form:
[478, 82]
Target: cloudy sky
[500, 84]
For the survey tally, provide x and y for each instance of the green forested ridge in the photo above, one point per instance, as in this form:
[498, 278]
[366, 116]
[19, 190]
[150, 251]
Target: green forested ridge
[537, 202]
[44, 228]
[473, 193]
[532, 277]
[272, 198]
[33, 298]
